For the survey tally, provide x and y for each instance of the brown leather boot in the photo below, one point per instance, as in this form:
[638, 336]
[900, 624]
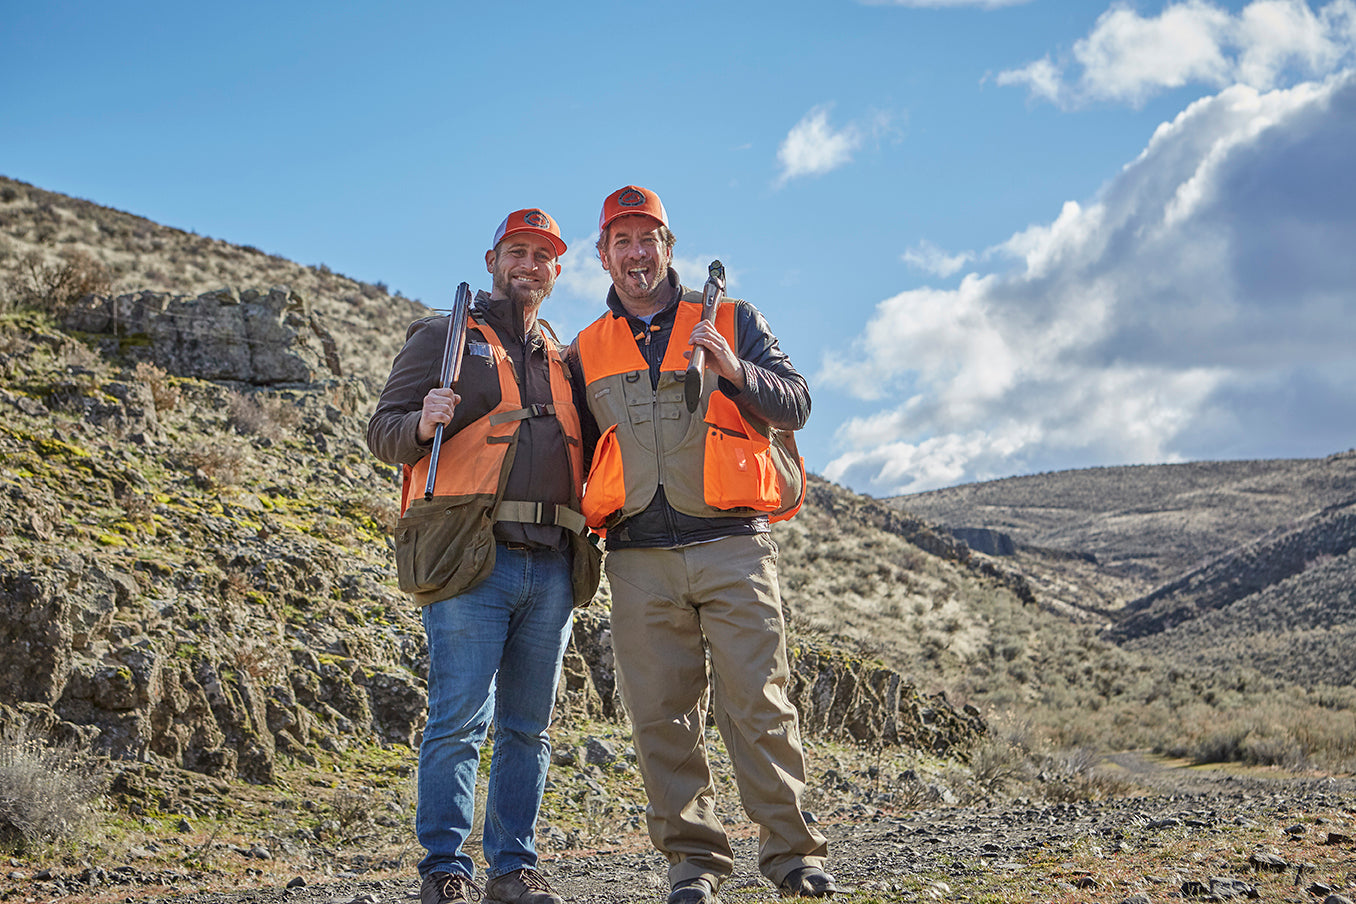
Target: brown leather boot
[522, 886]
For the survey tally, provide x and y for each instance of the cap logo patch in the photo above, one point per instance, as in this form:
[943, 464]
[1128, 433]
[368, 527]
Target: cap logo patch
[631, 198]
[537, 219]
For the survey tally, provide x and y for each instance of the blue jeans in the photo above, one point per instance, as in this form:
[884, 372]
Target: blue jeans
[494, 653]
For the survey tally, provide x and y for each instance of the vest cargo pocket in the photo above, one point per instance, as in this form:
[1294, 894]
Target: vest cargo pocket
[444, 545]
[605, 490]
[737, 469]
[738, 473]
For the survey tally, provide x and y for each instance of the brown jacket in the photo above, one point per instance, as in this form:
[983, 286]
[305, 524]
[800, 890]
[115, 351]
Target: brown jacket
[540, 471]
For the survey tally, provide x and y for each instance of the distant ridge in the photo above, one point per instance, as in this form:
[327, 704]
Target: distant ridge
[1154, 548]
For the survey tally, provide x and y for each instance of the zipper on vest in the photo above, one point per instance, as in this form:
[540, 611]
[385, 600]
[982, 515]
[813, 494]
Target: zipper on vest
[658, 449]
[661, 464]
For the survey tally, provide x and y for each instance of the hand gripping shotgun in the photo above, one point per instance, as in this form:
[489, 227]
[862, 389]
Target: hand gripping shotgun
[456, 342]
[713, 292]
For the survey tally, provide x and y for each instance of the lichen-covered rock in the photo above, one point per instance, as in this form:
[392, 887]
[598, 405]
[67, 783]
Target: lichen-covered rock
[249, 337]
[846, 698]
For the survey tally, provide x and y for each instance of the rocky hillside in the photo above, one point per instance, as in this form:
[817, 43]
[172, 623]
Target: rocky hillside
[1285, 603]
[199, 569]
[195, 559]
[45, 236]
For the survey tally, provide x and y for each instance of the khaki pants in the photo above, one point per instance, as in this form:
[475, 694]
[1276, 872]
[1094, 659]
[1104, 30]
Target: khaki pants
[668, 607]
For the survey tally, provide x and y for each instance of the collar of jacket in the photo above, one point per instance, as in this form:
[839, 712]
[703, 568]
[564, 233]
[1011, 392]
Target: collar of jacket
[615, 305]
[507, 318]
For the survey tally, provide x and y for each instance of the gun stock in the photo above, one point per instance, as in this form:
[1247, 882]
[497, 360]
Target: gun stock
[456, 342]
[696, 367]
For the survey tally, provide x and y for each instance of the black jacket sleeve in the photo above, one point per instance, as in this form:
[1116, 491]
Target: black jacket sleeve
[774, 391]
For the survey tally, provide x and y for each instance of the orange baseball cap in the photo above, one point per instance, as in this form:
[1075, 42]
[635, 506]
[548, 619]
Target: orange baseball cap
[530, 220]
[629, 200]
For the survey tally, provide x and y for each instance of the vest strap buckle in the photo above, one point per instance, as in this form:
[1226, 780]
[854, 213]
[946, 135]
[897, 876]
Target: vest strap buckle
[540, 513]
[522, 414]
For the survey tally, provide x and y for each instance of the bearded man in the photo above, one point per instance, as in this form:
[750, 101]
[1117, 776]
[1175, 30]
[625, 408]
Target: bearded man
[498, 564]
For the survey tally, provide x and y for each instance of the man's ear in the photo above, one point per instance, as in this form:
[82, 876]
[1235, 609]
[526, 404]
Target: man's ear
[489, 261]
[602, 258]
[557, 269]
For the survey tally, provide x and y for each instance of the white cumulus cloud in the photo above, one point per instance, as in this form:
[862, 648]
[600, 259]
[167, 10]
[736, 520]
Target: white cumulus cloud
[1128, 58]
[813, 147]
[1200, 307]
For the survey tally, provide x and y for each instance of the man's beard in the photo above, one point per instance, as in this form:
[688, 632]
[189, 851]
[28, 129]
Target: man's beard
[529, 299]
[650, 286]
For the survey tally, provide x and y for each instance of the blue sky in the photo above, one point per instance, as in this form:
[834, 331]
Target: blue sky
[998, 237]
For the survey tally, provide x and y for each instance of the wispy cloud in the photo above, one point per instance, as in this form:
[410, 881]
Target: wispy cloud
[930, 259]
[1129, 58]
[813, 147]
[1200, 305]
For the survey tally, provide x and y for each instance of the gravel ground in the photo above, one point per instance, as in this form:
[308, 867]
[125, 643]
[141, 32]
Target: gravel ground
[1177, 833]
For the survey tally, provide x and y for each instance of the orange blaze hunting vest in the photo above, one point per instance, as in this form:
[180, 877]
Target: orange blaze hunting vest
[445, 544]
[474, 461]
[712, 462]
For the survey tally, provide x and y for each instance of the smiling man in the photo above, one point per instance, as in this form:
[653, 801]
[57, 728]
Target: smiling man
[684, 497]
[497, 564]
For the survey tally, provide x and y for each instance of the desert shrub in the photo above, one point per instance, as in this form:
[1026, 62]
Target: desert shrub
[1292, 730]
[260, 416]
[48, 794]
[36, 283]
[218, 461]
[997, 763]
[164, 393]
[383, 510]
[1076, 774]
[353, 810]
[136, 506]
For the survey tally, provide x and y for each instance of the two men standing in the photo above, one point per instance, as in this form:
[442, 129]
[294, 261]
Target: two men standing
[682, 497]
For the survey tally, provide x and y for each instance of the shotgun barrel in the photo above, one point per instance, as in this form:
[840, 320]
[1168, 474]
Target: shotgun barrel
[696, 367]
[456, 342]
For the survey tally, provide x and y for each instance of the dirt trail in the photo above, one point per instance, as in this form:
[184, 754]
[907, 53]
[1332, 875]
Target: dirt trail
[1177, 825]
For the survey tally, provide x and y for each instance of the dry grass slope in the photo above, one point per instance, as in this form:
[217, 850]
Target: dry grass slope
[43, 234]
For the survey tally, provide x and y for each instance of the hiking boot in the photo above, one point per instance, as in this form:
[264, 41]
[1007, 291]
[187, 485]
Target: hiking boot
[448, 888]
[807, 882]
[522, 886]
[693, 891]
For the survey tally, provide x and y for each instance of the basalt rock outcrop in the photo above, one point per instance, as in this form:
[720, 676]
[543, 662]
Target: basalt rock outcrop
[986, 540]
[258, 337]
[838, 696]
[930, 538]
